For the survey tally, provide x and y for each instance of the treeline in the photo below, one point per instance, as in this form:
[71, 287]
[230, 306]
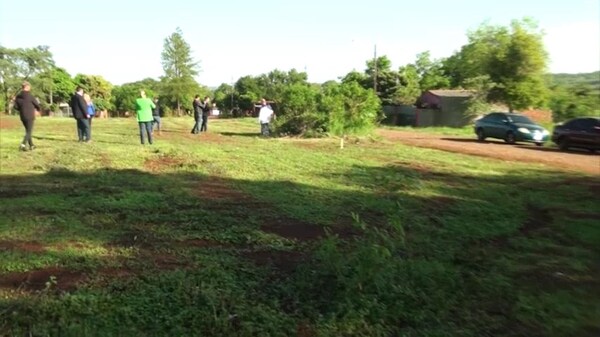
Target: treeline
[501, 64]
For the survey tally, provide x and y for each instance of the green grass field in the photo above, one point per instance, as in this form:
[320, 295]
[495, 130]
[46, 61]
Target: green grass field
[230, 234]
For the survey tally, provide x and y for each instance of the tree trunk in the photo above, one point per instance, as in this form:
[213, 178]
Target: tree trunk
[178, 108]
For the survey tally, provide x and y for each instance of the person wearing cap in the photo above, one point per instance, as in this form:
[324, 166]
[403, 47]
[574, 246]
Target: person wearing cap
[27, 105]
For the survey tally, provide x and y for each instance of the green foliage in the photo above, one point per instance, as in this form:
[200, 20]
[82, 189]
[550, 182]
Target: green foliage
[351, 109]
[124, 96]
[20, 64]
[243, 236]
[574, 95]
[514, 58]
[478, 104]
[298, 112]
[63, 85]
[99, 89]
[178, 84]
[430, 73]
[409, 89]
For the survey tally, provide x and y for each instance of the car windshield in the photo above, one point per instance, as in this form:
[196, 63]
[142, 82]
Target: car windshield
[520, 119]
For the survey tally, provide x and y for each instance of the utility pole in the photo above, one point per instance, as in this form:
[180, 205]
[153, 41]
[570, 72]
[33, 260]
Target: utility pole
[375, 72]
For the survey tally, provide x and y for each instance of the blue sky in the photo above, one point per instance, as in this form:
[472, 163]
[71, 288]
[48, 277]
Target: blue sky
[122, 40]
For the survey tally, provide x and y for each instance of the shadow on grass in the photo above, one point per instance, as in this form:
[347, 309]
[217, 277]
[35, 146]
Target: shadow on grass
[483, 253]
[241, 134]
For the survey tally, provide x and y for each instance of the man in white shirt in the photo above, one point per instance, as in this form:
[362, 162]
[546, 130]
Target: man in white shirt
[265, 115]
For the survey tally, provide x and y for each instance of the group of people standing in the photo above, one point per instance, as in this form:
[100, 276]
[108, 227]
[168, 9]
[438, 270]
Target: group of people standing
[201, 112]
[84, 111]
[147, 114]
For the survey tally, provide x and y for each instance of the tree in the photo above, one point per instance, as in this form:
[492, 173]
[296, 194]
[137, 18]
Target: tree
[99, 89]
[180, 70]
[352, 109]
[386, 78]
[124, 96]
[409, 89]
[513, 57]
[430, 73]
[18, 65]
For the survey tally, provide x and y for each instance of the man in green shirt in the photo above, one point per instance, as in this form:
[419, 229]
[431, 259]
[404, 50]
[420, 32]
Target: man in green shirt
[143, 110]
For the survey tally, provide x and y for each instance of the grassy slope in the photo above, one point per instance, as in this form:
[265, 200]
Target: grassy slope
[223, 234]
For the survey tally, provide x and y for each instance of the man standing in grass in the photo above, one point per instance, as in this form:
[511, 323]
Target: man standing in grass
[79, 109]
[143, 109]
[26, 104]
[265, 115]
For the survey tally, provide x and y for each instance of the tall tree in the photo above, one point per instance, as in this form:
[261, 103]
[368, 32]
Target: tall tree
[180, 69]
[514, 59]
[18, 65]
[430, 73]
[409, 89]
[380, 71]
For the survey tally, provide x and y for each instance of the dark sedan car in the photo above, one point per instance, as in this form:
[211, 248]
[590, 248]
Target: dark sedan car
[583, 132]
[511, 127]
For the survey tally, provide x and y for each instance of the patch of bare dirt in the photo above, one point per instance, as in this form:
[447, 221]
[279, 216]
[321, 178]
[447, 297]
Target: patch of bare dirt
[22, 246]
[64, 279]
[537, 219]
[566, 161]
[8, 123]
[214, 188]
[163, 163]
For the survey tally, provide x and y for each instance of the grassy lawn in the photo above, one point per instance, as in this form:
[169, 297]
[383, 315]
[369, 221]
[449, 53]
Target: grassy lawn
[230, 234]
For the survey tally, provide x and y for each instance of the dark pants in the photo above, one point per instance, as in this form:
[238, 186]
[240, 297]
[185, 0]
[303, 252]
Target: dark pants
[264, 129]
[83, 129]
[145, 128]
[198, 121]
[28, 124]
[204, 122]
[156, 122]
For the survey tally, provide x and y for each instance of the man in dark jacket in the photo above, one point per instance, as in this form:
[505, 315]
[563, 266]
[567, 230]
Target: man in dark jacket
[205, 106]
[79, 109]
[156, 112]
[197, 114]
[26, 104]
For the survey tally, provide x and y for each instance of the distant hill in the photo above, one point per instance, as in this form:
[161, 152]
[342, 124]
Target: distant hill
[570, 80]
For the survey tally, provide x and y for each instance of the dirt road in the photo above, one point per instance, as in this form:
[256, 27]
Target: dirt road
[580, 161]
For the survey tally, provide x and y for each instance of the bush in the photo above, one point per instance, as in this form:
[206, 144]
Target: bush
[351, 109]
[299, 114]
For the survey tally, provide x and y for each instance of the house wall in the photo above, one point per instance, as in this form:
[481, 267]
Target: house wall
[452, 112]
[403, 115]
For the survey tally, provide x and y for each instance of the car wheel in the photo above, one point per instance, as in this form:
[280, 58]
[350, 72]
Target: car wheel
[563, 144]
[480, 135]
[510, 138]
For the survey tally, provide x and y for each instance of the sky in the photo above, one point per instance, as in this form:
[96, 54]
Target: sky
[122, 40]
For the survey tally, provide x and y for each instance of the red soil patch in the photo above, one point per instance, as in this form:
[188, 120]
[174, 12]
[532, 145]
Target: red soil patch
[163, 163]
[8, 123]
[36, 280]
[565, 161]
[22, 246]
[214, 188]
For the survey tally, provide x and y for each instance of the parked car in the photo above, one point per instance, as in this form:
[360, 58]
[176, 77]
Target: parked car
[511, 127]
[583, 132]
